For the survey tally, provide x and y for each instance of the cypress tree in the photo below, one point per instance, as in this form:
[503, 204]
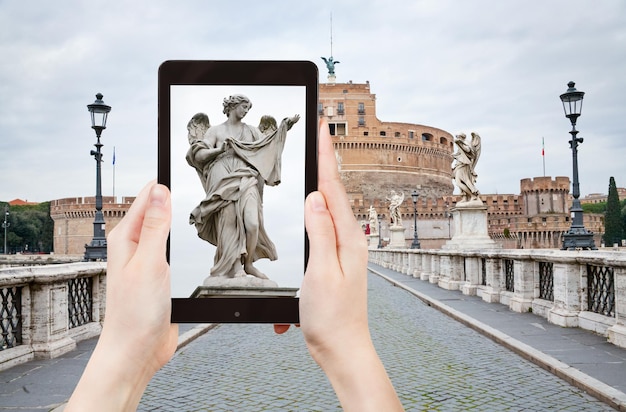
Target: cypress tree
[613, 223]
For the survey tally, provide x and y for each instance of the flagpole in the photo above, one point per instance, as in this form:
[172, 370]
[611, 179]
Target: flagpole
[114, 175]
[543, 156]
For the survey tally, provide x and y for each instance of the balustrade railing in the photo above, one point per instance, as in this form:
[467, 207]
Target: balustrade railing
[546, 281]
[46, 310]
[601, 290]
[80, 297]
[509, 275]
[10, 317]
[584, 289]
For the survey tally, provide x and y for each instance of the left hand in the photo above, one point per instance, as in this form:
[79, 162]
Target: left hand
[137, 337]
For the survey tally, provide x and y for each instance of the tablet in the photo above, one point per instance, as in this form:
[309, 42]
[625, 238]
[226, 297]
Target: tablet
[237, 146]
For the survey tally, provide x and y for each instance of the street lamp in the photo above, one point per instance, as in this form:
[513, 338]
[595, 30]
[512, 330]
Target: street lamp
[5, 225]
[448, 215]
[416, 242]
[97, 249]
[577, 237]
[380, 234]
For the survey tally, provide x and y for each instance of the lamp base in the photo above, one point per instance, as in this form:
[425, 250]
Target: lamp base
[578, 238]
[96, 250]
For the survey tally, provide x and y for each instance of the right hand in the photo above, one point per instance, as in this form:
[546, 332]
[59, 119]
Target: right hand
[333, 300]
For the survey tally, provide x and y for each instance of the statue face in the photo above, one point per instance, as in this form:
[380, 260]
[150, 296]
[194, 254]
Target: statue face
[241, 110]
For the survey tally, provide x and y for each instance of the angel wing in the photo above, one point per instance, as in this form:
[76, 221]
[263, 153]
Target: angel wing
[197, 127]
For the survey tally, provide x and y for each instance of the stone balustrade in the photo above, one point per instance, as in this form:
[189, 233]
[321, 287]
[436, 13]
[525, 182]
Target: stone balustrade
[585, 289]
[45, 310]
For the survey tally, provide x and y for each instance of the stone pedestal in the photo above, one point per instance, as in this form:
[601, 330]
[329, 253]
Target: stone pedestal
[374, 241]
[241, 286]
[617, 335]
[397, 240]
[470, 221]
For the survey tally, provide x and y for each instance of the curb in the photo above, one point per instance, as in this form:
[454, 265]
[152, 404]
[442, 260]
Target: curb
[193, 334]
[607, 394]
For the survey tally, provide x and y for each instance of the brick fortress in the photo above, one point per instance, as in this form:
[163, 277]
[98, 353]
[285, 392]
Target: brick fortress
[377, 157]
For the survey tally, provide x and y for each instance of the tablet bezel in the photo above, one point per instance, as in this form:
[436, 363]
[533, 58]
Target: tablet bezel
[283, 310]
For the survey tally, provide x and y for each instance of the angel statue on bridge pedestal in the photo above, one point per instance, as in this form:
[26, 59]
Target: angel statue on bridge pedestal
[464, 169]
[395, 200]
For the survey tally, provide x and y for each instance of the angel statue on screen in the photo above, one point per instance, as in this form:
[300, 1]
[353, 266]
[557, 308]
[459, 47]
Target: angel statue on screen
[235, 161]
[464, 169]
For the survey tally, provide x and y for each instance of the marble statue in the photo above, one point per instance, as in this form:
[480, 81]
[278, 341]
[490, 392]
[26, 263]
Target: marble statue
[330, 65]
[395, 200]
[235, 161]
[464, 169]
[373, 221]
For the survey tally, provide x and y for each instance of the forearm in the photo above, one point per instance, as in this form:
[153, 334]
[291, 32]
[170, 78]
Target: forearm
[360, 380]
[207, 155]
[111, 382]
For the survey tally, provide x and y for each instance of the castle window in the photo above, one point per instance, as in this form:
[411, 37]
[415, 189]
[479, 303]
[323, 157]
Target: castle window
[366, 133]
[443, 140]
[361, 121]
[340, 109]
[427, 137]
[337, 129]
[411, 134]
[320, 108]
[383, 133]
[361, 108]
[397, 134]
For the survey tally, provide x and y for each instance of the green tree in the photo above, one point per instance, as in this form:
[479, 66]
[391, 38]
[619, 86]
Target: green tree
[613, 220]
[30, 229]
[599, 207]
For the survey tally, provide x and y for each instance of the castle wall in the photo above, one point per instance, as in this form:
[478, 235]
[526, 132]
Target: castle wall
[73, 221]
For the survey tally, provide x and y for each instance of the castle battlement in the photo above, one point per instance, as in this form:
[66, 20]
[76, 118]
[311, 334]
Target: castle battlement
[545, 183]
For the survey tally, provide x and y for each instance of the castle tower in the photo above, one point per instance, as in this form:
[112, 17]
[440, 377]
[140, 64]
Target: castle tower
[73, 221]
[375, 156]
[543, 195]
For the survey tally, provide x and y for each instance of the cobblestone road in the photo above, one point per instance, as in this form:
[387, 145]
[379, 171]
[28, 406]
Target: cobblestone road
[435, 363]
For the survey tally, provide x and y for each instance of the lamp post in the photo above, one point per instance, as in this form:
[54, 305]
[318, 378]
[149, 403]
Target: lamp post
[416, 242]
[577, 237]
[380, 234]
[5, 225]
[449, 217]
[97, 249]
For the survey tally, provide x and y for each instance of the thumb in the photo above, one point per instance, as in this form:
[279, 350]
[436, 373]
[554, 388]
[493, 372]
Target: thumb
[321, 231]
[156, 223]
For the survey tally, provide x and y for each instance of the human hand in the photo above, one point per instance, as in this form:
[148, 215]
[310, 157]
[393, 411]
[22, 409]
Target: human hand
[333, 297]
[137, 337]
[225, 144]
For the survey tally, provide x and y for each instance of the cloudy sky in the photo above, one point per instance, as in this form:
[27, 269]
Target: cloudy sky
[493, 67]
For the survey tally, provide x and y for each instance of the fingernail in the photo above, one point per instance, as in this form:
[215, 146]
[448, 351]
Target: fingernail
[158, 195]
[318, 203]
